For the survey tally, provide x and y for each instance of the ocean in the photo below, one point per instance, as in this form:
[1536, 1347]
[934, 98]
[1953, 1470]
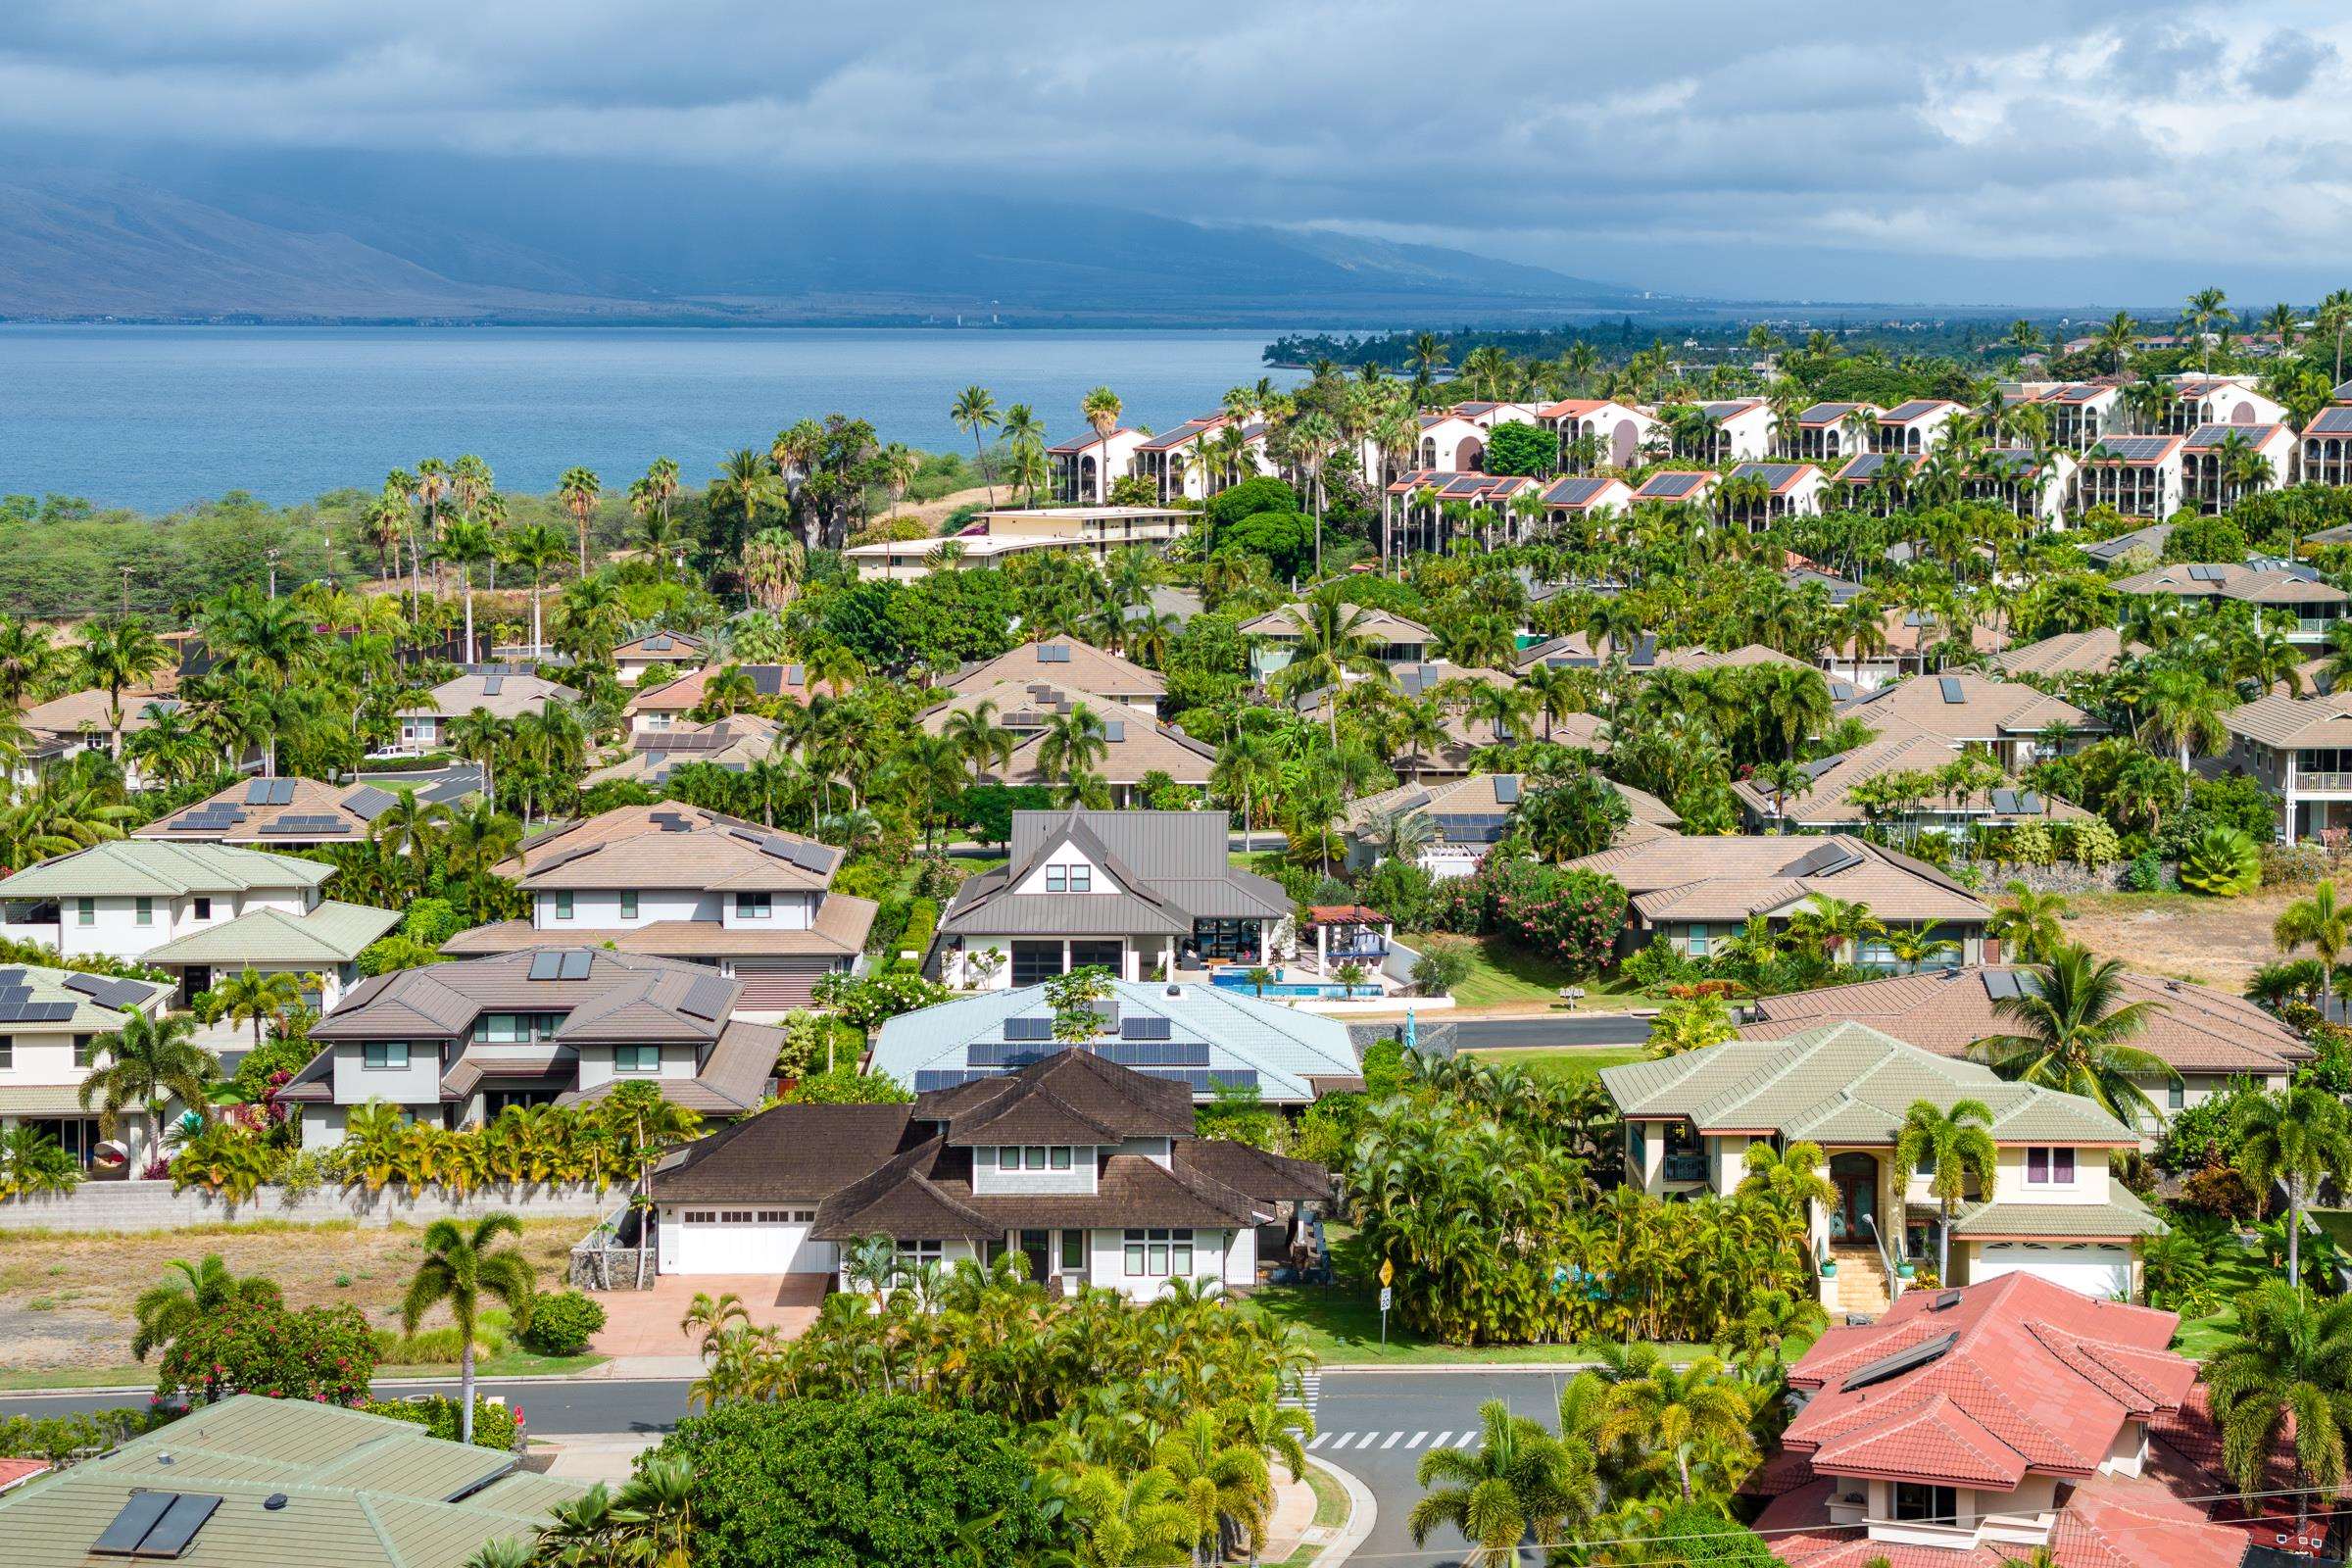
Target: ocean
[155, 418]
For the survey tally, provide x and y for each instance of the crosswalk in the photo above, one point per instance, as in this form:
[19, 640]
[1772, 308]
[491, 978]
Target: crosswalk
[1401, 1440]
[1310, 1390]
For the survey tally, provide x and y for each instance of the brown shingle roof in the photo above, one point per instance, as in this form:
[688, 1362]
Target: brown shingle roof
[1072, 1096]
[786, 1153]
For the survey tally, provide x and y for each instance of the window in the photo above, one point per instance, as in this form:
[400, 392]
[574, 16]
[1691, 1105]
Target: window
[1157, 1252]
[384, 1053]
[1082, 879]
[515, 1028]
[1061, 1153]
[1696, 942]
[84, 1048]
[628, 906]
[636, 1058]
[2049, 1168]
[1057, 879]
[1926, 1504]
[984, 1157]
[913, 1256]
[8, 1052]
[143, 910]
[2176, 1095]
[563, 905]
[85, 912]
[1073, 1250]
[1637, 1144]
[750, 905]
[204, 909]
[1033, 1158]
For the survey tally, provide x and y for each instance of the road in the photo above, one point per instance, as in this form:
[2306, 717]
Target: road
[1549, 1029]
[1376, 1425]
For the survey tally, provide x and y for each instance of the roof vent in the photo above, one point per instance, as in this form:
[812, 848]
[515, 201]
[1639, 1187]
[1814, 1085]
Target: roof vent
[274, 1501]
[1175, 990]
[1944, 1301]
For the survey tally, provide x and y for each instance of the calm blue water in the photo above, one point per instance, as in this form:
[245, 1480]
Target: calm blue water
[155, 418]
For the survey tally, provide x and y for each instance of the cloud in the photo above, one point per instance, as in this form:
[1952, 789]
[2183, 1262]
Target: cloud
[2066, 147]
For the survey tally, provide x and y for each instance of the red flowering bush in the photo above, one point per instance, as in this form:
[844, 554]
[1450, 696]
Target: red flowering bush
[322, 1353]
[1570, 917]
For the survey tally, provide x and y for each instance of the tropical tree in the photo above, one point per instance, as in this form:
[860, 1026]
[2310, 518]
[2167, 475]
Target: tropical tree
[2285, 1375]
[1951, 1148]
[147, 1064]
[258, 996]
[1683, 1418]
[2027, 923]
[116, 655]
[2322, 924]
[465, 1268]
[974, 411]
[577, 490]
[2070, 1028]
[534, 547]
[192, 1292]
[2295, 1138]
[1519, 1481]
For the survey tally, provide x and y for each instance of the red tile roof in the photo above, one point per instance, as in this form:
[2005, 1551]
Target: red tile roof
[14, 1471]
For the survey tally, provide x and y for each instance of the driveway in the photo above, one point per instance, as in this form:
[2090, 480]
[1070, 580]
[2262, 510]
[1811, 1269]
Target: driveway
[645, 1323]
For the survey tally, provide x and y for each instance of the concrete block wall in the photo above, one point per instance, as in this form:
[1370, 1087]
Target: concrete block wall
[153, 1205]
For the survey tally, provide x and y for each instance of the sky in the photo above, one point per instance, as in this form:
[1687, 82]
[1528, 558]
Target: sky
[2027, 152]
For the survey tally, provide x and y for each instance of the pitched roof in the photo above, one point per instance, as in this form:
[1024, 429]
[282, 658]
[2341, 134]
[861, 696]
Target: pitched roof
[676, 646]
[2069, 653]
[332, 933]
[686, 693]
[1677, 484]
[669, 845]
[786, 1153]
[1965, 706]
[1849, 1082]
[1066, 661]
[1378, 625]
[1483, 794]
[136, 867]
[1705, 877]
[265, 811]
[1781, 476]
[733, 743]
[1168, 868]
[1133, 744]
[1898, 748]
[2272, 719]
[505, 695]
[618, 998]
[2194, 1028]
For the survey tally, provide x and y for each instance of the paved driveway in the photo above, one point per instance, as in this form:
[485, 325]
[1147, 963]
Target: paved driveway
[645, 1323]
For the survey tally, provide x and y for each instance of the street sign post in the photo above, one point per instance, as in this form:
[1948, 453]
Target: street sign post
[1388, 1272]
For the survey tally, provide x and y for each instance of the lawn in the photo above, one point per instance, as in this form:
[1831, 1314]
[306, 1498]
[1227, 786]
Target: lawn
[507, 1365]
[1331, 1511]
[2235, 1273]
[1502, 976]
[1561, 1062]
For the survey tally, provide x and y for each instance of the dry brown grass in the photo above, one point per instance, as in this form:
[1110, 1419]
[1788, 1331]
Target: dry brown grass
[2218, 942]
[66, 1299]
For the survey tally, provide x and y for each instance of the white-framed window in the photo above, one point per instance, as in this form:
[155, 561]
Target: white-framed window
[2051, 1167]
[563, 905]
[85, 912]
[1082, 879]
[85, 1049]
[142, 911]
[1058, 1157]
[1695, 942]
[628, 906]
[912, 1255]
[2176, 1095]
[1157, 1251]
[384, 1053]
[751, 907]
[694, 1217]
[636, 1058]
[1057, 879]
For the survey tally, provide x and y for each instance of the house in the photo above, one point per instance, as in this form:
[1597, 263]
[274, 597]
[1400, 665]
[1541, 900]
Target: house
[1571, 497]
[1986, 1423]
[2139, 476]
[502, 693]
[735, 743]
[1829, 805]
[1067, 662]
[1694, 892]
[1139, 892]
[2219, 400]
[2080, 414]
[63, 727]
[1085, 467]
[1093, 532]
[1845, 1087]
[2069, 653]
[2306, 605]
[1789, 490]
[1874, 481]
[2327, 446]
[1838, 590]
[657, 653]
[756, 904]
[1829, 432]
[199, 910]
[1740, 431]
[2007, 720]
[257, 1483]
[1425, 511]
[1450, 442]
[1691, 487]
[2209, 1038]
[2212, 478]
[1089, 1168]
[453, 1045]
[660, 709]
[58, 1016]
[286, 814]
[1275, 635]
[1214, 1039]
[1184, 464]
[1916, 426]
[1134, 747]
[2119, 548]
[1468, 815]
[1598, 432]
[2299, 748]
[1910, 638]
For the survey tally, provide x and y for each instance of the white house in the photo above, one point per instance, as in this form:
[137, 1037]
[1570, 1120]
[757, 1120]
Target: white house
[2139, 476]
[58, 1016]
[1085, 467]
[2210, 479]
[1614, 434]
[1916, 426]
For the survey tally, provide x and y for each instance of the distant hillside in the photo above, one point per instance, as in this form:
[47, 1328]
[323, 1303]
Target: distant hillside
[350, 239]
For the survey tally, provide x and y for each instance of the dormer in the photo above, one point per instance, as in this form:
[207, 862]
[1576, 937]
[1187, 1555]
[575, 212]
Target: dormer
[1026, 1169]
[1067, 867]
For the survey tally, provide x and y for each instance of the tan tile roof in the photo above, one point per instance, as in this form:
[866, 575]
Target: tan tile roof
[1692, 877]
[517, 695]
[1132, 746]
[1477, 794]
[1910, 630]
[735, 742]
[842, 922]
[2069, 653]
[1899, 748]
[685, 694]
[2275, 719]
[668, 845]
[1987, 708]
[1381, 624]
[1088, 667]
[315, 812]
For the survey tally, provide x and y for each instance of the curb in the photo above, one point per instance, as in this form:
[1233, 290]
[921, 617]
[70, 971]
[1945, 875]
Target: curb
[1361, 1512]
[1453, 1368]
[143, 1390]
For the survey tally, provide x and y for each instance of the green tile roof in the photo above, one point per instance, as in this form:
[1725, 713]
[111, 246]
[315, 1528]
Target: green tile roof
[361, 1492]
[2123, 1214]
[332, 933]
[129, 867]
[1846, 1083]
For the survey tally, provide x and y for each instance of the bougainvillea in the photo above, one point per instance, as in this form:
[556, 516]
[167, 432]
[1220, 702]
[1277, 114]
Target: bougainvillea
[324, 1353]
[1571, 918]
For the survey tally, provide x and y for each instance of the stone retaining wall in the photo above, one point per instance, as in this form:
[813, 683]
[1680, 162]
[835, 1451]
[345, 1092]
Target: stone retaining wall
[153, 1205]
[593, 1268]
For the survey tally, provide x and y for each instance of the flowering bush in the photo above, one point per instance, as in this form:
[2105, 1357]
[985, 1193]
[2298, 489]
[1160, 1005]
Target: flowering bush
[495, 1426]
[324, 1354]
[1571, 918]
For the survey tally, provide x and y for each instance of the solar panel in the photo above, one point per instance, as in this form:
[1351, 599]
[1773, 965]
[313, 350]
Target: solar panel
[257, 793]
[1010, 1052]
[1901, 1362]
[1053, 653]
[808, 856]
[1155, 1053]
[491, 684]
[367, 803]
[1824, 861]
[2000, 985]
[139, 1515]
[1205, 1079]
[2205, 574]
[657, 644]
[575, 966]
[1951, 689]
[1028, 1028]
[706, 998]
[546, 965]
[1507, 788]
[931, 1079]
[1115, 730]
[1143, 1028]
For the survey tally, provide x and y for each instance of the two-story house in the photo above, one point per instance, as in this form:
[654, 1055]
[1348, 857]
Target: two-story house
[1831, 432]
[2080, 415]
[2051, 1210]
[1436, 511]
[503, 692]
[1085, 467]
[1572, 497]
[1598, 432]
[2327, 446]
[1915, 427]
[453, 1045]
[1276, 636]
[288, 813]
[658, 654]
[2288, 592]
[2139, 476]
[2299, 748]
[1469, 816]
[1830, 803]
[1086, 1166]
[1684, 487]
[677, 881]
[735, 743]
[54, 1019]
[1138, 893]
[1069, 664]
[1992, 1423]
[2007, 721]
[198, 910]
[658, 708]
[2221, 464]
[1783, 490]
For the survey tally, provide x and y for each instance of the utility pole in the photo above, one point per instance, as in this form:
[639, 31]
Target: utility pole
[126, 590]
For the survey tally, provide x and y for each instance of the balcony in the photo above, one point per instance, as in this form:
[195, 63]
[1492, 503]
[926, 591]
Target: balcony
[2322, 783]
[1686, 1167]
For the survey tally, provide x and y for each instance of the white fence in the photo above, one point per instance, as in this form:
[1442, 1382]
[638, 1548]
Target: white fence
[154, 1207]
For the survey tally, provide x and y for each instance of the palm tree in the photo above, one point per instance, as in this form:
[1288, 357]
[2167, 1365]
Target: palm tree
[477, 737]
[2295, 1138]
[463, 1268]
[535, 547]
[578, 490]
[1246, 769]
[2071, 1026]
[2027, 922]
[1219, 1483]
[117, 654]
[1332, 643]
[148, 1063]
[2184, 709]
[2321, 924]
[468, 541]
[1100, 409]
[1073, 744]
[974, 411]
[1687, 1414]
[252, 993]
[1520, 1480]
[408, 825]
[1951, 1149]
[164, 1312]
[2288, 1367]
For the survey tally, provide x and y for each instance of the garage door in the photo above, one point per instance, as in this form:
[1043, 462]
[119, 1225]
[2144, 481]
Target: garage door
[2094, 1270]
[776, 985]
[750, 1240]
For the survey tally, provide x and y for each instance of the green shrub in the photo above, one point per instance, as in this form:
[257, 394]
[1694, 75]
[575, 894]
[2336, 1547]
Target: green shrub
[1442, 966]
[922, 925]
[441, 1347]
[2145, 874]
[2222, 864]
[563, 1322]
[495, 1426]
[321, 1352]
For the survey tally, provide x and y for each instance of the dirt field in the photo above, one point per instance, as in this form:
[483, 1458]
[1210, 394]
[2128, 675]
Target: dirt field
[2219, 941]
[65, 1301]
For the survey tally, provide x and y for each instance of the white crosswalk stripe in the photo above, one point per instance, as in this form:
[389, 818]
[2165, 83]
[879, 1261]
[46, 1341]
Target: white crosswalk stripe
[1417, 1437]
[1468, 1438]
[1392, 1436]
[1334, 1442]
[1443, 1438]
[1319, 1439]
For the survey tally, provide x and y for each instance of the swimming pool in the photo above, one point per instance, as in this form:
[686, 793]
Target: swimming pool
[1229, 980]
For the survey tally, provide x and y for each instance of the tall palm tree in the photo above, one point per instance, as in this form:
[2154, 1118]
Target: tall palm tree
[2184, 709]
[1074, 743]
[1520, 1480]
[2295, 1138]
[535, 547]
[2070, 1034]
[1683, 1416]
[120, 654]
[1332, 644]
[468, 541]
[2322, 925]
[465, 1268]
[1246, 769]
[974, 411]
[408, 825]
[147, 1064]
[578, 490]
[257, 996]
[1950, 1148]
[1100, 409]
[2288, 1367]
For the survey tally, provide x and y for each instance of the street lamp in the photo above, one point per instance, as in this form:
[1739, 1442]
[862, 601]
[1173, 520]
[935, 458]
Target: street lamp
[271, 555]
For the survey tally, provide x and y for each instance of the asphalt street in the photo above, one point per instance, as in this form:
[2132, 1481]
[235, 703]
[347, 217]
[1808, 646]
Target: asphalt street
[1549, 1029]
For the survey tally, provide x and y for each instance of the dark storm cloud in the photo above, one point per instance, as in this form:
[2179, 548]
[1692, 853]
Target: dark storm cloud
[2063, 148]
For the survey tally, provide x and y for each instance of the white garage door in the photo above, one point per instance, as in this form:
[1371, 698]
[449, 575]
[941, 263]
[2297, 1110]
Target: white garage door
[2094, 1270]
[750, 1240]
